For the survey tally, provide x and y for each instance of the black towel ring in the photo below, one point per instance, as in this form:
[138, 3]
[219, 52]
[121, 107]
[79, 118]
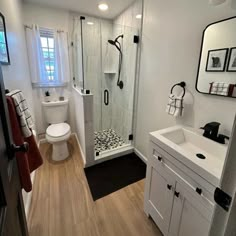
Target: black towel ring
[182, 85]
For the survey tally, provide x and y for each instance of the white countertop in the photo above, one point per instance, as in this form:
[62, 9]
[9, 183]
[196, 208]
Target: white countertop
[210, 168]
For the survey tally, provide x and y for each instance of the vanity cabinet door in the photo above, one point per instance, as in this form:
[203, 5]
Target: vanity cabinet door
[159, 197]
[189, 215]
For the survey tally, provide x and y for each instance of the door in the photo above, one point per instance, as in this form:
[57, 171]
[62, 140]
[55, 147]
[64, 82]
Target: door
[160, 197]
[118, 103]
[118, 64]
[12, 214]
[189, 215]
[223, 222]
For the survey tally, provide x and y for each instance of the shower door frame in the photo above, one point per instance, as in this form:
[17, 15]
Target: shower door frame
[127, 147]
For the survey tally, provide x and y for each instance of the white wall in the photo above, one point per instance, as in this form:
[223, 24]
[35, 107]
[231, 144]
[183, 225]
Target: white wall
[16, 75]
[172, 32]
[45, 16]
[53, 19]
[84, 125]
[128, 17]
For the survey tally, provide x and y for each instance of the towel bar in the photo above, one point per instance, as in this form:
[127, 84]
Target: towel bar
[182, 85]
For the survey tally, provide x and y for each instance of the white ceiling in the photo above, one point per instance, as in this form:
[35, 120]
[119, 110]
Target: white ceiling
[89, 7]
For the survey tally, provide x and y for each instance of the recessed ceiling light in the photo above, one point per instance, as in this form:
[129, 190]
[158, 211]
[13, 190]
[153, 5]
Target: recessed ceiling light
[90, 23]
[139, 16]
[103, 6]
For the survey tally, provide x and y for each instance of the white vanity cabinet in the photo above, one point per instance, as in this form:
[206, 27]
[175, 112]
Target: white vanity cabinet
[189, 215]
[160, 197]
[179, 201]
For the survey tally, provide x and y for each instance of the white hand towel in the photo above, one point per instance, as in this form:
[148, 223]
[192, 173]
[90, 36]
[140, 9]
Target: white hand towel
[220, 88]
[175, 106]
[22, 110]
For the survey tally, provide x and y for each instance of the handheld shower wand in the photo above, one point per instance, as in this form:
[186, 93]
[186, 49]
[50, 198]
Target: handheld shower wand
[116, 43]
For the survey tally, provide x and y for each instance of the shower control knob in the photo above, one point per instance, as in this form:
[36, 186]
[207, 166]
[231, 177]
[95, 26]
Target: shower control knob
[121, 84]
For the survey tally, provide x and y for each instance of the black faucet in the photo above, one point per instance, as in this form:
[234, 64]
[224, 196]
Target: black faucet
[211, 131]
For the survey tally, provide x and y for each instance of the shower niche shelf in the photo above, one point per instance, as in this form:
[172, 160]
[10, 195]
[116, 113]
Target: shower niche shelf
[110, 72]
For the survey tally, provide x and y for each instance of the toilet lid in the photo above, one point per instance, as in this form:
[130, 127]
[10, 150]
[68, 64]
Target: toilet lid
[58, 130]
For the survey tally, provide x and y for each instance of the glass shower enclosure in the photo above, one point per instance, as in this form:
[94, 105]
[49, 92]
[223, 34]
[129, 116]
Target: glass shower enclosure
[105, 59]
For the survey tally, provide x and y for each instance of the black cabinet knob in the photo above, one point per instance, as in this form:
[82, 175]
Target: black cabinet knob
[177, 194]
[169, 186]
[159, 158]
[199, 191]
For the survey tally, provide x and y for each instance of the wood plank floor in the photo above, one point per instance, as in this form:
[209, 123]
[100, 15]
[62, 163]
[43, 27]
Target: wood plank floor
[62, 204]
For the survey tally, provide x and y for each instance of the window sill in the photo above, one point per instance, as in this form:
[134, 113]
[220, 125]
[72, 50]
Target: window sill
[51, 85]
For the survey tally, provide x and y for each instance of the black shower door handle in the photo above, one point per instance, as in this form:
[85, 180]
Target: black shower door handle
[106, 97]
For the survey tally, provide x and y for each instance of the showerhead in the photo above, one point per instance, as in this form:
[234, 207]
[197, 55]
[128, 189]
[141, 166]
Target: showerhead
[111, 42]
[115, 42]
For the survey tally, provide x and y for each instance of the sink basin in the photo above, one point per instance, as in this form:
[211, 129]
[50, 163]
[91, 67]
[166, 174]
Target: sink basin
[195, 143]
[187, 145]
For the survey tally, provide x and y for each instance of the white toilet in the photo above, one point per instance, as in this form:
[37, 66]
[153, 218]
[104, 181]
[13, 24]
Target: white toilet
[58, 132]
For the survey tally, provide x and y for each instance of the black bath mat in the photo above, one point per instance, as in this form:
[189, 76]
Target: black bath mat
[112, 175]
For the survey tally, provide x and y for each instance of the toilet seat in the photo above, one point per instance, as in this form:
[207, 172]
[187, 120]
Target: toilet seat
[58, 132]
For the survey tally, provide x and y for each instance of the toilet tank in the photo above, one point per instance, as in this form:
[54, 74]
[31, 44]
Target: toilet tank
[55, 112]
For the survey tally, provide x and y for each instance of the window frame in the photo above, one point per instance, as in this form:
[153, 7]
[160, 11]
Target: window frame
[49, 61]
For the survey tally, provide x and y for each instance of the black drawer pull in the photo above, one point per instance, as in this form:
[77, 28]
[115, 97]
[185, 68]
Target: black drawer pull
[176, 194]
[169, 186]
[199, 191]
[159, 158]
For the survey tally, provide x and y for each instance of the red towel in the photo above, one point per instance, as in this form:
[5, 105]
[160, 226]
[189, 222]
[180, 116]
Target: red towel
[27, 162]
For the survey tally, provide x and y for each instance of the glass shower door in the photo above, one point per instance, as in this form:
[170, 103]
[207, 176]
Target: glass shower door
[118, 104]
[99, 60]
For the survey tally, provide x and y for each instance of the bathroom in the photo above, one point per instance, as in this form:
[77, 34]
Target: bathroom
[122, 60]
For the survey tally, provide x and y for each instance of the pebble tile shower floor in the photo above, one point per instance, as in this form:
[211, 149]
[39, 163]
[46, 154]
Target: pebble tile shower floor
[107, 140]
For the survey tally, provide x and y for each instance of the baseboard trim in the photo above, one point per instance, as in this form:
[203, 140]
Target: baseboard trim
[140, 155]
[42, 141]
[81, 151]
[27, 197]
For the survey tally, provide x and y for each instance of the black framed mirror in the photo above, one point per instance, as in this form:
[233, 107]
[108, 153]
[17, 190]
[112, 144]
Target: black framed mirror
[217, 63]
[4, 52]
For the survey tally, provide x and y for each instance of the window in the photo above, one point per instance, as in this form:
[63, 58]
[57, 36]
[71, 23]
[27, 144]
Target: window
[48, 56]
[3, 51]
[48, 48]
[4, 58]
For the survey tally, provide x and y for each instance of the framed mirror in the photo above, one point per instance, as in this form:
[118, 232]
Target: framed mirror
[217, 63]
[4, 53]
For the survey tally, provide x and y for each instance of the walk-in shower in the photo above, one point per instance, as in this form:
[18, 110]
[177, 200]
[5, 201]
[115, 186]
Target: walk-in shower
[105, 64]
